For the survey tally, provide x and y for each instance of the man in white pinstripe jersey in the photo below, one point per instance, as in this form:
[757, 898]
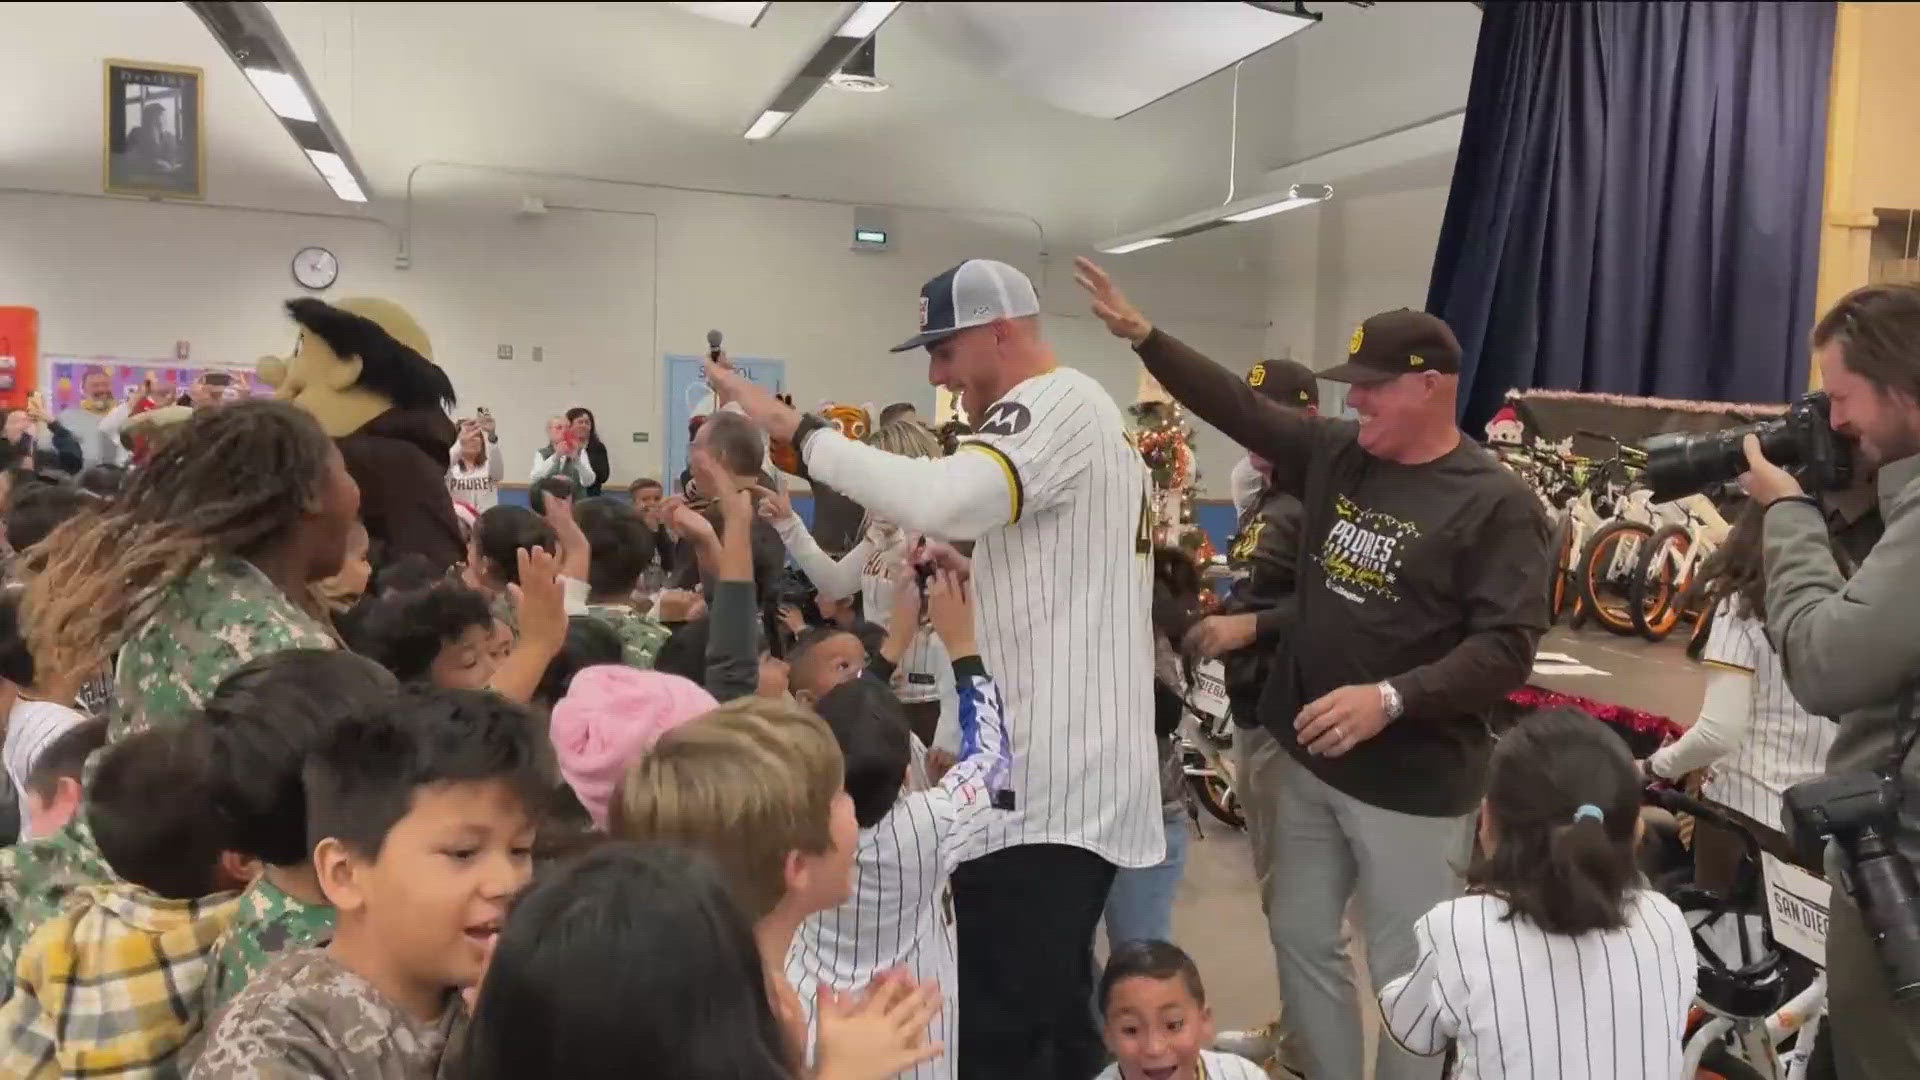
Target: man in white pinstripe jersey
[1057, 501]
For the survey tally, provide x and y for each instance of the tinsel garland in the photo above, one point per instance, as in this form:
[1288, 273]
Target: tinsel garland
[1645, 724]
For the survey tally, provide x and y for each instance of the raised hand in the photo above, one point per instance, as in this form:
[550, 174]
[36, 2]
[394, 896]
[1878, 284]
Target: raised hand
[950, 609]
[539, 600]
[576, 553]
[774, 505]
[776, 416]
[1110, 305]
[879, 1033]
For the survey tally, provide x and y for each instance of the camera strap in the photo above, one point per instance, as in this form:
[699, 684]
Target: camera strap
[1908, 732]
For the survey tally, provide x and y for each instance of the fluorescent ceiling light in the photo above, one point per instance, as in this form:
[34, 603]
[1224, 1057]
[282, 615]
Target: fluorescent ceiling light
[744, 15]
[857, 23]
[1132, 246]
[333, 169]
[283, 94]
[864, 19]
[769, 122]
[1252, 208]
[1289, 203]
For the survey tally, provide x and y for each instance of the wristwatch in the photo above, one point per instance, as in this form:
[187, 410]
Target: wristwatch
[809, 423]
[1391, 702]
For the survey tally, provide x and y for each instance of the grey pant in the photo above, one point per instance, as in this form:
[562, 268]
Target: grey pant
[1874, 1037]
[1315, 849]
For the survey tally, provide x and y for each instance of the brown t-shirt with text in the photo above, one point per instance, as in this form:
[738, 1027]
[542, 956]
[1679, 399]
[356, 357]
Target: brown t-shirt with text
[1431, 576]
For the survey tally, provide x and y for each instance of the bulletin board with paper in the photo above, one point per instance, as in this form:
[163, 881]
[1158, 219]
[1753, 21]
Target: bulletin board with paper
[170, 378]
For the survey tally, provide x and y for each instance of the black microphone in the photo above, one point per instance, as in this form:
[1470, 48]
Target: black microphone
[713, 345]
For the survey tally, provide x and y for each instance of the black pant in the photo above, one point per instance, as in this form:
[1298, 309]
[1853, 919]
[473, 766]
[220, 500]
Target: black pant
[1025, 917]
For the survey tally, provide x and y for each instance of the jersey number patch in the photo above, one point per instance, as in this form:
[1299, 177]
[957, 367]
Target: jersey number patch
[1143, 541]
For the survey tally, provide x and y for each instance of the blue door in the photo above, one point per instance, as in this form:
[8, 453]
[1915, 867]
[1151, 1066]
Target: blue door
[688, 396]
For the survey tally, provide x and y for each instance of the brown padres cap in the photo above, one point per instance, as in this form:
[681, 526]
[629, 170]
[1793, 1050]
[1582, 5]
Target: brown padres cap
[1285, 381]
[1396, 343]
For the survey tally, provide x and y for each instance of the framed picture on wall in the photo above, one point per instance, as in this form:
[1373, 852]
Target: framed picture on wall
[155, 123]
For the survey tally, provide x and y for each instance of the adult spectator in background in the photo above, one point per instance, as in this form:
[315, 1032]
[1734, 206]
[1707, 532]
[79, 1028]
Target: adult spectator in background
[103, 480]
[201, 565]
[1057, 499]
[899, 410]
[586, 434]
[473, 474]
[562, 456]
[740, 449]
[1253, 622]
[83, 419]
[1851, 647]
[46, 440]
[1422, 596]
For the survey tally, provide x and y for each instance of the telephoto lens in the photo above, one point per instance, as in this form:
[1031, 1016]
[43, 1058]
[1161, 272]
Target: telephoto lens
[1802, 441]
[1889, 900]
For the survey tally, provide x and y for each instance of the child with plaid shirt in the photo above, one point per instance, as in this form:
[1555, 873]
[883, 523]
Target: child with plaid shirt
[263, 722]
[111, 986]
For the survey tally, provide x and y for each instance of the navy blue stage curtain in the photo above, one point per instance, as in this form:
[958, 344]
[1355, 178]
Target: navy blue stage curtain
[1636, 204]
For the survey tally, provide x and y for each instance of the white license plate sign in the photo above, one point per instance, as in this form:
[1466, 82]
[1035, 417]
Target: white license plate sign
[1210, 689]
[1797, 908]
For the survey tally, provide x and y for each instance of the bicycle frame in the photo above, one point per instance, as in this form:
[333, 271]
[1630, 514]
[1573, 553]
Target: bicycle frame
[1758, 1043]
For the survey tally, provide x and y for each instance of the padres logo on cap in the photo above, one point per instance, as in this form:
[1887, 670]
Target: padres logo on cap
[1353, 343]
[923, 313]
[1417, 360]
[1258, 375]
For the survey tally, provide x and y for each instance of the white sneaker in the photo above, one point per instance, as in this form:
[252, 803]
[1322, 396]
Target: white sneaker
[1254, 1044]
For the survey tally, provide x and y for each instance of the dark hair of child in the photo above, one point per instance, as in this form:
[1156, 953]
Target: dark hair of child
[871, 634]
[405, 574]
[871, 728]
[590, 642]
[560, 487]
[1150, 960]
[16, 659]
[36, 509]
[361, 777]
[621, 542]
[500, 534]
[262, 722]
[103, 480]
[405, 632]
[627, 923]
[65, 758]
[1564, 799]
[150, 806]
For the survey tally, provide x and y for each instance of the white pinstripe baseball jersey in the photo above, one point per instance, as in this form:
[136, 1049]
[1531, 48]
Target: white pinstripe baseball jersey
[1524, 1004]
[901, 911]
[1062, 600]
[1785, 743]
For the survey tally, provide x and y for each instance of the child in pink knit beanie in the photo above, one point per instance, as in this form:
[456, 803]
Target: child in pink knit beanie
[612, 715]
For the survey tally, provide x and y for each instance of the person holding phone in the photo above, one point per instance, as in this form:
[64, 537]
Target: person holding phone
[564, 455]
[475, 468]
[38, 436]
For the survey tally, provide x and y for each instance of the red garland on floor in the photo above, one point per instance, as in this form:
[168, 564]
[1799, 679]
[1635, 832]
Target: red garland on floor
[1645, 723]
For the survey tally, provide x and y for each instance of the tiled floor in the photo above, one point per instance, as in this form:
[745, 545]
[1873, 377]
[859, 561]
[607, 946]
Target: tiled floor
[1217, 917]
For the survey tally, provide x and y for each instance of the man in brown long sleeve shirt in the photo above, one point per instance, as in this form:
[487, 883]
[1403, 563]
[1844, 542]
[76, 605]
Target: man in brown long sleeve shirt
[1421, 597]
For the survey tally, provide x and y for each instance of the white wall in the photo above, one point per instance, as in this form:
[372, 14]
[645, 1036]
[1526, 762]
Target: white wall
[129, 279]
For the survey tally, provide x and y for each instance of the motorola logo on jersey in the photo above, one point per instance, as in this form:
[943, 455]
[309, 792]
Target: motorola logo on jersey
[1006, 418]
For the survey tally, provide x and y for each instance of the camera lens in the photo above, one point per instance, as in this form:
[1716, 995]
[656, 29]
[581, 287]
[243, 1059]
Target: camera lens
[1681, 464]
[1889, 899]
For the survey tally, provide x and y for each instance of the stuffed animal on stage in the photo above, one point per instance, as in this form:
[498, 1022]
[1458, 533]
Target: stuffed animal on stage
[364, 368]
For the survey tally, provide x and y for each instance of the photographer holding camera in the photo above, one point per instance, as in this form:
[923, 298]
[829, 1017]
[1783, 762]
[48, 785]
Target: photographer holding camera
[1852, 650]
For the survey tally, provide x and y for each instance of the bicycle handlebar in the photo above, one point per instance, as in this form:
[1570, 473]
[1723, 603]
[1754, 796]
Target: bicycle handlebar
[1674, 800]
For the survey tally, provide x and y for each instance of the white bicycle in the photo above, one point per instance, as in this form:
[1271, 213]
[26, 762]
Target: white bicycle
[1739, 1027]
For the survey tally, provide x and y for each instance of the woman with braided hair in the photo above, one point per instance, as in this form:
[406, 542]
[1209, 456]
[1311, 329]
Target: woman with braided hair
[201, 564]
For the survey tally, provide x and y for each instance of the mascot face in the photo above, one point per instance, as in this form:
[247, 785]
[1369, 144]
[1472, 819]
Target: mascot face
[326, 384]
[852, 420]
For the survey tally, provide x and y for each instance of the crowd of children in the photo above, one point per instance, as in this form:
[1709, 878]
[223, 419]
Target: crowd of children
[348, 817]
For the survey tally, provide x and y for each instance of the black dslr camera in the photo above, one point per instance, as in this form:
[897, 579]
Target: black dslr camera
[1803, 442]
[1859, 812]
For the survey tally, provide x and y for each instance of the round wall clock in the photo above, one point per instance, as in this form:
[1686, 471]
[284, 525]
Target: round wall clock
[315, 267]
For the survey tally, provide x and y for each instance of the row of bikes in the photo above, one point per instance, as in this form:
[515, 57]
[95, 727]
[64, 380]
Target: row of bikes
[1623, 561]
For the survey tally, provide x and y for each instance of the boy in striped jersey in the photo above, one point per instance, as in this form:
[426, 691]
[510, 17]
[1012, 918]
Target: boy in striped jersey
[900, 913]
